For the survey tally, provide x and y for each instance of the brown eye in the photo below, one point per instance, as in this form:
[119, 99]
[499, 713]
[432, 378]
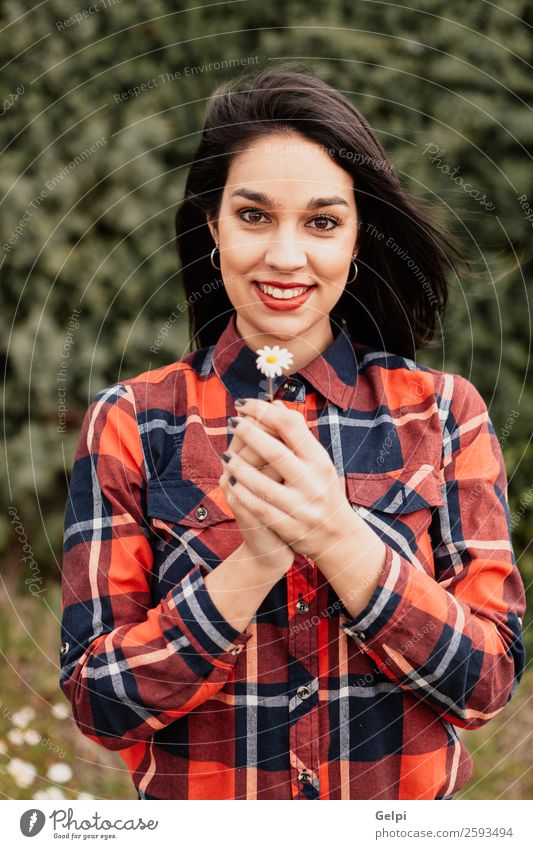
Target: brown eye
[327, 219]
[250, 212]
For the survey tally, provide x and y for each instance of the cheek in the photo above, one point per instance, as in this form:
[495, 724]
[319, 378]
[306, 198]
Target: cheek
[334, 262]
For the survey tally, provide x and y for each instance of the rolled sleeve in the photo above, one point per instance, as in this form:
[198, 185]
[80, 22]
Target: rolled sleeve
[387, 604]
[202, 623]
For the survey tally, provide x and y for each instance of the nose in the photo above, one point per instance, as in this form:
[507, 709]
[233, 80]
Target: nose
[286, 253]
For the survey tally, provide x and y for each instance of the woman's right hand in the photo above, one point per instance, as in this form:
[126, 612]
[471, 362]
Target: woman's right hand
[260, 543]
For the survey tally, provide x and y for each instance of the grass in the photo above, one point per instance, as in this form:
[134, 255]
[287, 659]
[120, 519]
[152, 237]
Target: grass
[36, 726]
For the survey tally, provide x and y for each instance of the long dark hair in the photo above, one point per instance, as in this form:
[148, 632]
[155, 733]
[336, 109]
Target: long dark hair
[401, 288]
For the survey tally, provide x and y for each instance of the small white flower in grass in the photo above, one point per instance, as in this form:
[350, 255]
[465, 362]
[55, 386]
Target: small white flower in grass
[60, 710]
[85, 796]
[50, 793]
[22, 773]
[31, 737]
[3, 748]
[23, 716]
[272, 361]
[59, 772]
[15, 736]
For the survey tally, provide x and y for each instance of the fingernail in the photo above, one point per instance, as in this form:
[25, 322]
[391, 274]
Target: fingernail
[240, 402]
[233, 421]
[232, 480]
[226, 457]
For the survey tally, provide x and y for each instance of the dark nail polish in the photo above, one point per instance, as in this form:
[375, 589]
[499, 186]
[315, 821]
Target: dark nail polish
[232, 480]
[233, 421]
[240, 402]
[225, 456]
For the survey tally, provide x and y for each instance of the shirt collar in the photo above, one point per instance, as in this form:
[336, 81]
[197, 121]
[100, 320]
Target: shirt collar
[333, 372]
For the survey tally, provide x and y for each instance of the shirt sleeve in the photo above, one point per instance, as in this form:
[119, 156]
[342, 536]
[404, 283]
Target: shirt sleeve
[129, 668]
[456, 640]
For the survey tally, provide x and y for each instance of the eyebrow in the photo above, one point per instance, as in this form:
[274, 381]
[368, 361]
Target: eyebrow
[266, 200]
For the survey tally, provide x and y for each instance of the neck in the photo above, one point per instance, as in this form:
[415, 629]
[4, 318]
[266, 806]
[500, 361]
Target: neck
[304, 349]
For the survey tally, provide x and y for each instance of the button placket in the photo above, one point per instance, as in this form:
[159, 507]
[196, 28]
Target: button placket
[303, 646]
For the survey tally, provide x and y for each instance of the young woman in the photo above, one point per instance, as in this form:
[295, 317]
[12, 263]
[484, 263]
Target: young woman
[306, 598]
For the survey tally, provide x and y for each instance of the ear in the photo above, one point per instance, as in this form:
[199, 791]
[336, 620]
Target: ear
[213, 228]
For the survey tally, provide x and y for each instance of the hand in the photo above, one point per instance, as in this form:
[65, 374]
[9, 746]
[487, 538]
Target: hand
[306, 504]
[262, 543]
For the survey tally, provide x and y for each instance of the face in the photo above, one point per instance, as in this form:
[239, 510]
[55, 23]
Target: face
[288, 217]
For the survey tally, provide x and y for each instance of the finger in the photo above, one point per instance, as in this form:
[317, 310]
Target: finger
[287, 425]
[273, 451]
[243, 504]
[238, 446]
[261, 512]
[247, 520]
[280, 495]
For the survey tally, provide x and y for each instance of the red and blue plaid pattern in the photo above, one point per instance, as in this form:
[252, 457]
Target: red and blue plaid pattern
[306, 703]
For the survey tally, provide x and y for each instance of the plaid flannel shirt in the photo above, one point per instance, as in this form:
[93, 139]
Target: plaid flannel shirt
[307, 702]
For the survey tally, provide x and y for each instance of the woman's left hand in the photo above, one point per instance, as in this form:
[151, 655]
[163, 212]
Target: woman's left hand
[308, 507]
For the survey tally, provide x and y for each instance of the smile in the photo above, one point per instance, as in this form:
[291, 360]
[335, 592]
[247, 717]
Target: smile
[277, 298]
[282, 294]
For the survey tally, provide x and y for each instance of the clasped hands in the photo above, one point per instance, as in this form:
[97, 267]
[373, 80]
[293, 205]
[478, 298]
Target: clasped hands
[285, 478]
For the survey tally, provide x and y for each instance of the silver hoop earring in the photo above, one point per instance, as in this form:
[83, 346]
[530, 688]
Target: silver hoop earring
[212, 260]
[356, 270]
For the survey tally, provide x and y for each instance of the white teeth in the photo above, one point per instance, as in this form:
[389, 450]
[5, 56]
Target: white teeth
[281, 294]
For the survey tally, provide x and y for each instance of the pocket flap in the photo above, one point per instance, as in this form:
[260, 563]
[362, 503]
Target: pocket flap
[196, 505]
[399, 491]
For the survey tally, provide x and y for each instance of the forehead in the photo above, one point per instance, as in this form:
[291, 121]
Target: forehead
[288, 168]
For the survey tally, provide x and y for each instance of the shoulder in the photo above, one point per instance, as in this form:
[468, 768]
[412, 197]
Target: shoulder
[157, 387]
[402, 368]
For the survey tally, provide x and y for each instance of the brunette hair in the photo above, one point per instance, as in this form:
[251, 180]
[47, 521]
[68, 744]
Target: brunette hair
[401, 289]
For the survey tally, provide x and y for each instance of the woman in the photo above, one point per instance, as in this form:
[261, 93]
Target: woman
[315, 612]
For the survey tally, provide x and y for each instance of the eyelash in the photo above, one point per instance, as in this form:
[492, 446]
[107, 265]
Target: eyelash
[337, 221]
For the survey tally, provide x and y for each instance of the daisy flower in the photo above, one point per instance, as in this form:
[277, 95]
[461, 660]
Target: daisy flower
[22, 772]
[50, 793]
[59, 772]
[272, 361]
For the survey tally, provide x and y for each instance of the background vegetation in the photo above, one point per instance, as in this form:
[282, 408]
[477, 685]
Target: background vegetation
[90, 181]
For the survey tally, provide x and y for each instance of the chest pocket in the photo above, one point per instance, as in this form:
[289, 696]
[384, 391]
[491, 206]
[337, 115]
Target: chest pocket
[399, 508]
[190, 524]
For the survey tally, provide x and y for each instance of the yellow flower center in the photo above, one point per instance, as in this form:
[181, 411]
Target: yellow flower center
[271, 358]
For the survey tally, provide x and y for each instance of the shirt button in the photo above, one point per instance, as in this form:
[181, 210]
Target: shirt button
[302, 606]
[304, 777]
[303, 692]
[290, 387]
[236, 650]
[201, 513]
[64, 648]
